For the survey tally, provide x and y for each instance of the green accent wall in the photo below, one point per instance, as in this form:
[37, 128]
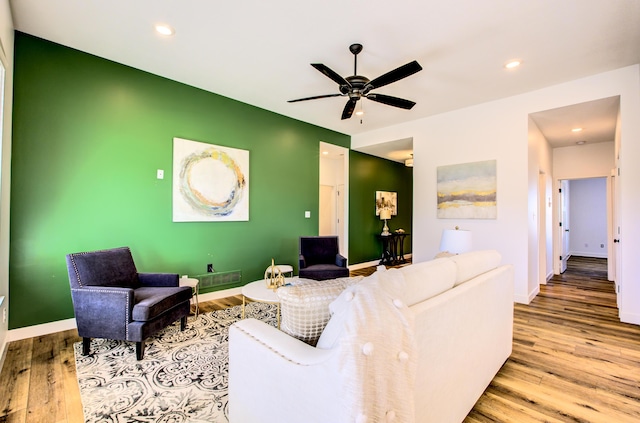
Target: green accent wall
[368, 174]
[88, 137]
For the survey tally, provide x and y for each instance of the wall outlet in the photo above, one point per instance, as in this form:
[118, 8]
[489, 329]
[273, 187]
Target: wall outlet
[4, 315]
[210, 268]
[160, 174]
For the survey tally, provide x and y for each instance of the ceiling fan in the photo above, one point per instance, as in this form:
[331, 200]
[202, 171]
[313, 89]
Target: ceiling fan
[358, 86]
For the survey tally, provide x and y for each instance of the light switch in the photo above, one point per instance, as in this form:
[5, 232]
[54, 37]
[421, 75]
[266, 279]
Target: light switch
[160, 174]
[307, 214]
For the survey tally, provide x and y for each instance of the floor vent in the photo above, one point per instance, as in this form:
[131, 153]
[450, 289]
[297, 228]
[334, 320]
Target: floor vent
[219, 280]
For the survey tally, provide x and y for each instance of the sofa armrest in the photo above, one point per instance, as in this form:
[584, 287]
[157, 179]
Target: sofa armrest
[102, 312]
[158, 279]
[263, 359]
[302, 262]
[341, 260]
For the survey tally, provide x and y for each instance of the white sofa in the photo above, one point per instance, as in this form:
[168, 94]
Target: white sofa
[454, 317]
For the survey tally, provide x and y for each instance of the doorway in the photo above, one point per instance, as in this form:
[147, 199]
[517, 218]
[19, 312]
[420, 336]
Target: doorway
[333, 201]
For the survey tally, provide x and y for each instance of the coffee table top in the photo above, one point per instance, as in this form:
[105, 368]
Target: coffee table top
[258, 291]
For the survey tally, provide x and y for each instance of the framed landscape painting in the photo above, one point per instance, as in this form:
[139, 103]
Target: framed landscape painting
[210, 182]
[467, 191]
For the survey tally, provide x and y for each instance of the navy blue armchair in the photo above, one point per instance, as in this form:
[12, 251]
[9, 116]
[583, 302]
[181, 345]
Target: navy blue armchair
[112, 300]
[320, 258]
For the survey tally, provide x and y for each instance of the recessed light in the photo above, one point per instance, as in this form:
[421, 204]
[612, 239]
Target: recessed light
[164, 29]
[326, 153]
[512, 64]
[576, 130]
[581, 142]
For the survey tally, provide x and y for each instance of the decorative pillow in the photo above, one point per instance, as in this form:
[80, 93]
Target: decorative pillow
[304, 305]
[475, 263]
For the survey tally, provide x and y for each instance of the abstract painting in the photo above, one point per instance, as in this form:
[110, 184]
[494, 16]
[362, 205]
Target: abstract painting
[467, 191]
[386, 199]
[210, 182]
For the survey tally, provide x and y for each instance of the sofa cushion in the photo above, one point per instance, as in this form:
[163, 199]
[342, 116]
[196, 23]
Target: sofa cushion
[427, 279]
[150, 302]
[304, 305]
[469, 265]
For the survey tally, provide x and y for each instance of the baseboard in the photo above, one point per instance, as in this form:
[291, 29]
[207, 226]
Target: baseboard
[40, 330]
[588, 254]
[521, 299]
[216, 295]
[632, 318]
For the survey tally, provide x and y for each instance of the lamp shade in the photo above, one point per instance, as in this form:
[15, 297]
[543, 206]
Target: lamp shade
[455, 241]
[385, 214]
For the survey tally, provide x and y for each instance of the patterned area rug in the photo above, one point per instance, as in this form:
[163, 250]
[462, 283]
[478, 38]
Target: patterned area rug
[182, 378]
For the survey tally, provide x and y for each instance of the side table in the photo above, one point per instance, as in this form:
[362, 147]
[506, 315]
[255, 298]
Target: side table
[258, 291]
[194, 284]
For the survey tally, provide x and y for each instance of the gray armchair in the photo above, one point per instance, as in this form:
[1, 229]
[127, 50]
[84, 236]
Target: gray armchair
[320, 258]
[112, 300]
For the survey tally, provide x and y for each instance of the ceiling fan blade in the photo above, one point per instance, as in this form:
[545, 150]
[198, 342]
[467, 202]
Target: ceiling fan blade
[331, 74]
[349, 108]
[395, 75]
[314, 97]
[392, 101]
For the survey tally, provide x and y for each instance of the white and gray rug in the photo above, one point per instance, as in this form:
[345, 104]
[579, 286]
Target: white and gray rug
[182, 378]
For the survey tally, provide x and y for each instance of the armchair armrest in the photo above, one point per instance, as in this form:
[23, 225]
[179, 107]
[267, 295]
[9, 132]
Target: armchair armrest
[308, 378]
[341, 260]
[97, 308]
[158, 279]
[302, 262]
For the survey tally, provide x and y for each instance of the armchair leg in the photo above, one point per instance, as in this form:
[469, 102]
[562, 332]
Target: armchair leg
[86, 344]
[183, 323]
[139, 350]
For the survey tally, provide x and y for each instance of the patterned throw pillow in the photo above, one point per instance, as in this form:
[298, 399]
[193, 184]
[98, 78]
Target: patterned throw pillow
[304, 306]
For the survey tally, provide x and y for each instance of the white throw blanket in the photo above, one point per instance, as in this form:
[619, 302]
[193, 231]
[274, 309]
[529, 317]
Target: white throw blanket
[377, 349]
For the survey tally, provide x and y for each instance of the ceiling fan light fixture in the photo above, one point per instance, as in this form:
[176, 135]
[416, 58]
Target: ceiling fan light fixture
[164, 29]
[409, 162]
[512, 64]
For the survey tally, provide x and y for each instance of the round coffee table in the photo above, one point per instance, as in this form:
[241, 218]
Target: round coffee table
[258, 291]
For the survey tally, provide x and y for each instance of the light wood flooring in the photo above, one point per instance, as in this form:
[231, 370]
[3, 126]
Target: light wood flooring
[572, 361]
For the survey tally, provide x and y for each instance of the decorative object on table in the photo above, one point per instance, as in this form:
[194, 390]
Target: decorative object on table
[285, 269]
[385, 214]
[210, 182]
[184, 375]
[273, 277]
[467, 191]
[399, 231]
[454, 241]
[112, 300]
[320, 258]
[386, 200]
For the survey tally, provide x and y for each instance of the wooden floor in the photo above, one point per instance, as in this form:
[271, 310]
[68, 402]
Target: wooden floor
[572, 361]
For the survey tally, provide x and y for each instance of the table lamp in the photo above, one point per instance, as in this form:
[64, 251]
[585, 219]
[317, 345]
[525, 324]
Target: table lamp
[385, 214]
[455, 241]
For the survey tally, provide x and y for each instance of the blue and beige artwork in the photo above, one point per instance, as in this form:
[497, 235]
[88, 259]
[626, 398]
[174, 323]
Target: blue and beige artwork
[467, 191]
[210, 182]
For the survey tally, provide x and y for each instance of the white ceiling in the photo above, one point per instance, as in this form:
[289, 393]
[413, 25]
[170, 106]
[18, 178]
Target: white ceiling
[260, 52]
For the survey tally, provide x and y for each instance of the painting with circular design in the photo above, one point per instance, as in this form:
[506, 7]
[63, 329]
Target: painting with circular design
[210, 182]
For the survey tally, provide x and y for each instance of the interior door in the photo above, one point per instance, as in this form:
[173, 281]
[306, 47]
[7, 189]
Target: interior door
[564, 225]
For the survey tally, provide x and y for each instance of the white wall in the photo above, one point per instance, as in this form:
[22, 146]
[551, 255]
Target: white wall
[499, 130]
[588, 235]
[583, 161]
[6, 55]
